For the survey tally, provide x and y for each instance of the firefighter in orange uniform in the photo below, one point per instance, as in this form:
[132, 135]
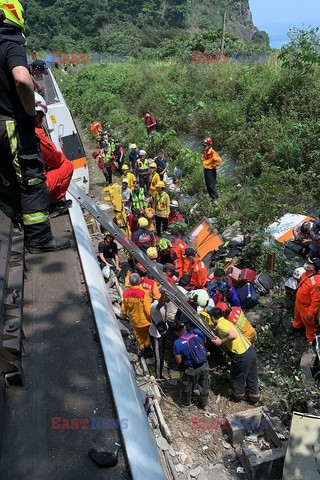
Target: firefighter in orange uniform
[96, 128]
[307, 302]
[210, 160]
[197, 270]
[179, 246]
[137, 303]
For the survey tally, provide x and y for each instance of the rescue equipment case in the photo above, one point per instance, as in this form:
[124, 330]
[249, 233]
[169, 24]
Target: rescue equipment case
[248, 296]
[263, 283]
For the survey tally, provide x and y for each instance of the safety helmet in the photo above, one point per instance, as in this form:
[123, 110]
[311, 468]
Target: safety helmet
[200, 297]
[14, 13]
[224, 307]
[222, 286]
[207, 141]
[95, 154]
[143, 222]
[153, 165]
[133, 145]
[108, 234]
[106, 271]
[164, 243]
[40, 103]
[140, 268]
[143, 153]
[160, 184]
[152, 253]
[174, 203]
[125, 167]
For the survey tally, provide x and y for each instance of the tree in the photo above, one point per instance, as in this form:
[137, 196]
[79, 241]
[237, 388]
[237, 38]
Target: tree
[303, 51]
[261, 37]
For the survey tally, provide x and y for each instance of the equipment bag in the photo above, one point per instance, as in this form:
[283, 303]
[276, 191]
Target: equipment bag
[248, 296]
[196, 349]
[263, 283]
[248, 275]
[235, 274]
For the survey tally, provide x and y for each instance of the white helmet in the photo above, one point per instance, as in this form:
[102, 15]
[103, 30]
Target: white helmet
[106, 271]
[40, 103]
[174, 203]
[143, 153]
[200, 297]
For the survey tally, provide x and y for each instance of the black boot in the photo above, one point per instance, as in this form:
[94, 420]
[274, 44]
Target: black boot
[39, 239]
[59, 208]
[53, 245]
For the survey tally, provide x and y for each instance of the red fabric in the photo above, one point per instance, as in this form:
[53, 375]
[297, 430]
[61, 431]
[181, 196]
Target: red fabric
[58, 169]
[198, 273]
[173, 217]
[149, 121]
[179, 246]
[133, 224]
[307, 304]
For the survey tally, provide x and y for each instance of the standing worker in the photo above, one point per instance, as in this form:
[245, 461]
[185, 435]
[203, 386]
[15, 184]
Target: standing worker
[211, 160]
[307, 303]
[143, 171]
[196, 269]
[154, 178]
[22, 179]
[161, 208]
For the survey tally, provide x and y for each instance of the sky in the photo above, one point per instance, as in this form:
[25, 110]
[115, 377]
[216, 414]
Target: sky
[276, 17]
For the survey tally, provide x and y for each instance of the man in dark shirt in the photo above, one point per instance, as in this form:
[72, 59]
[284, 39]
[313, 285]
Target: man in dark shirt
[162, 164]
[22, 181]
[151, 123]
[143, 237]
[133, 157]
[108, 252]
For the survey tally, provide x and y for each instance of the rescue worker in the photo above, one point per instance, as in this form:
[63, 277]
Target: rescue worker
[225, 292]
[307, 303]
[161, 208]
[98, 157]
[126, 196]
[143, 237]
[118, 154]
[22, 179]
[236, 316]
[197, 270]
[129, 176]
[179, 246]
[147, 283]
[133, 219]
[166, 253]
[170, 273]
[143, 171]
[195, 375]
[137, 303]
[108, 252]
[137, 197]
[154, 178]
[243, 372]
[158, 332]
[211, 160]
[58, 169]
[133, 157]
[174, 214]
[152, 254]
[96, 128]
[107, 155]
[149, 213]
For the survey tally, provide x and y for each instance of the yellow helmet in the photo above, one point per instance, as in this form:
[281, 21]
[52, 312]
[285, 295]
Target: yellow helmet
[164, 243]
[160, 184]
[153, 165]
[14, 13]
[152, 253]
[143, 222]
[125, 167]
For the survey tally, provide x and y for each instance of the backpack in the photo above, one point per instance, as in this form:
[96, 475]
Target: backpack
[196, 349]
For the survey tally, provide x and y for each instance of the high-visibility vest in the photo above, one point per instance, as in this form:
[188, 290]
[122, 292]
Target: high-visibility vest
[143, 167]
[138, 199]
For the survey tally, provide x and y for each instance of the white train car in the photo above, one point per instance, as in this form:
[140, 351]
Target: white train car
[63, 131]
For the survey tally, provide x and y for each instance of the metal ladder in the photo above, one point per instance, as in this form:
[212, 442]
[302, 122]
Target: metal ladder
[172, 292]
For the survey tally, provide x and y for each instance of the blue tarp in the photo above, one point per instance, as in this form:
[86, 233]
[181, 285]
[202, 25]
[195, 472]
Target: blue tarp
[52, 59]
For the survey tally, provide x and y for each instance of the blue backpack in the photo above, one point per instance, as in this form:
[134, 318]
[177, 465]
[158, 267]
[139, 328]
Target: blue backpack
[196, 350]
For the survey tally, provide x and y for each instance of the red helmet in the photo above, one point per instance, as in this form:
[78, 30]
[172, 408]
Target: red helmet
[207, 141]
[140, 268]
[95, 154]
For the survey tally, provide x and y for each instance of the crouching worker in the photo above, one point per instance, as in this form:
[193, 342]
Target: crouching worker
[137, 303]
[243, 373]
[190, 352]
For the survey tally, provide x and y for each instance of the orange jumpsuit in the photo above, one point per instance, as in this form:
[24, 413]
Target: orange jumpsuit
[57, 168]
[95, 128]
[307, 304]
[137, 302]
[198, 273]
[179, 246]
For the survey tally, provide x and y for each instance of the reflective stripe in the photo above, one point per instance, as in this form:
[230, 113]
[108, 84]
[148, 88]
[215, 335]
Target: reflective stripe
[13, 142]
[35, 181]
[313, 280]
[34, 218]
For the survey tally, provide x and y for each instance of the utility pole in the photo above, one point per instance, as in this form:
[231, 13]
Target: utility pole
[223, 30]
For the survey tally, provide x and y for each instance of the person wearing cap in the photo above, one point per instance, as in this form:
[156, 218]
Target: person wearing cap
[22, 179]
[227, 293]
[307, 303]
[243, 372]
[108, 252]
[148, 283]
[133, 219]
[133, 157]
[126, 196]
[158, 332]
[162, 164]
[58, 169]
[166, 253]
[150, 122]
[137, 304]
[138, 197]
[143, 171]
[152, 254]
[36, 69]
[143, 237]
[196, 269]
[210, 160]
[129, 176]
[154, 178]
[194, 375]
[161, 208]
[236, 316]
[179, 246]
[174, 214]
